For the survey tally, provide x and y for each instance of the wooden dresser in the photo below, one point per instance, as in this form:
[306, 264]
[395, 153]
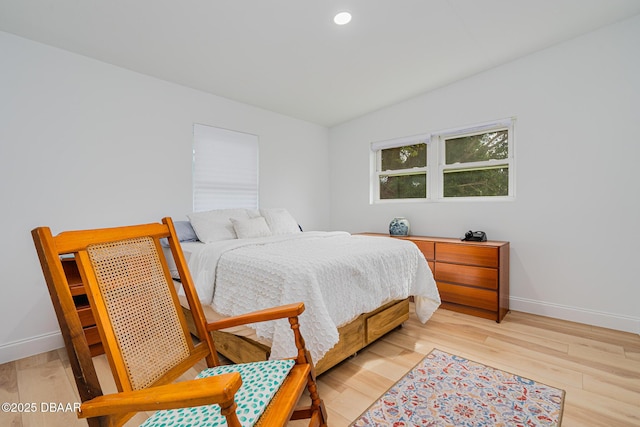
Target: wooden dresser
[82, 305]
[472, 277]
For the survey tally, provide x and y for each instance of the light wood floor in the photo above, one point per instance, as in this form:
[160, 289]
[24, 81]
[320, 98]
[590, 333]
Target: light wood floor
[598, 368]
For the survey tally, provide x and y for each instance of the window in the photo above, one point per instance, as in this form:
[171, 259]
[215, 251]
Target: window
[477, 163]
[473, 163]
[401, 170]
[225, 169]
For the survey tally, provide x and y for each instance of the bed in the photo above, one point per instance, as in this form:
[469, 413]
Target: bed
[355, 288]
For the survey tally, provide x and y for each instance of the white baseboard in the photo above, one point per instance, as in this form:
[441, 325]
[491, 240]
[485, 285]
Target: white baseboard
[30, 346]
[576, 314]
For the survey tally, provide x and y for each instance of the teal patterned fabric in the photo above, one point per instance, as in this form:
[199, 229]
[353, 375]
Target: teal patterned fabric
[260, 382]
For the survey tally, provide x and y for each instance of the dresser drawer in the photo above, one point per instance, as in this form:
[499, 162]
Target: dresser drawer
[92, 335]
[466, 295]
[483, 256]
[427, 248]
[467, 275]
[86, 316]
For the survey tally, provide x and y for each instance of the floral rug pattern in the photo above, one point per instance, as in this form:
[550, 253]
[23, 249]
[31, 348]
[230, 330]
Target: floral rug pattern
[447, 390]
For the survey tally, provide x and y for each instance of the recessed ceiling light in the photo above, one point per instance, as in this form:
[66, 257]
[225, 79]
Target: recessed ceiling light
[342, 18]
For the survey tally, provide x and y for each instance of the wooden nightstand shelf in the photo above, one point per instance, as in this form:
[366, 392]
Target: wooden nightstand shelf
[82, 305]
[472, 277]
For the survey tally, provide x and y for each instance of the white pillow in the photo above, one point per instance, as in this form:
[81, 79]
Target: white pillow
[212, 226]
[250, 228]
[280, 221]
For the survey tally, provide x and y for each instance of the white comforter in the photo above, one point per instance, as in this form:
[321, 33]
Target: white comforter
[338, 277]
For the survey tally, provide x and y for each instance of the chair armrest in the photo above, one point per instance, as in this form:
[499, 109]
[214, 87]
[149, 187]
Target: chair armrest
[198, 392]
[289, 310]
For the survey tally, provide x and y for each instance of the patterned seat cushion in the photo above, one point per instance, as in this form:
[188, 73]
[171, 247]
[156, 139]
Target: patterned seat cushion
[260, 382]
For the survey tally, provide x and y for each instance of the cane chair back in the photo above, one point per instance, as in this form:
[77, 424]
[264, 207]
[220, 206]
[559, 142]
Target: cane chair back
[143, 320]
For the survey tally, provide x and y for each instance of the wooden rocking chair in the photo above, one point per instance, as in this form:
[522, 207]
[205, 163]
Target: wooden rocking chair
[147, 342]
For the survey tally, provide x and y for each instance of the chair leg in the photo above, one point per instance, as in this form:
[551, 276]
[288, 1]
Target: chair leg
[317, 404]
[228, 410]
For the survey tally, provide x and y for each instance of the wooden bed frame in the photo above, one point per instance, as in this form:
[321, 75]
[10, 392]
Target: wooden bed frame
[354, 336]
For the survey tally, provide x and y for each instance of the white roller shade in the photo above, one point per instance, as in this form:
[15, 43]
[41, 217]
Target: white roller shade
[225, 169]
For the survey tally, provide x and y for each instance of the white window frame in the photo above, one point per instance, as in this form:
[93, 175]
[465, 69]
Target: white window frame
[436, 166]
[376, 166]
[440, 139]
[225, 169]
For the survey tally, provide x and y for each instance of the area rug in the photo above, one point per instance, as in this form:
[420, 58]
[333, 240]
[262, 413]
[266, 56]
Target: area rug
[447, 390]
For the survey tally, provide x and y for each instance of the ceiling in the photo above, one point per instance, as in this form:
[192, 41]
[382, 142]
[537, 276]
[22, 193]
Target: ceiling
[289, 57]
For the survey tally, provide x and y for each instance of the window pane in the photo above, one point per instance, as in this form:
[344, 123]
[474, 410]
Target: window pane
[403, 186]
[477, 148]
[477, 182]
[410, 156]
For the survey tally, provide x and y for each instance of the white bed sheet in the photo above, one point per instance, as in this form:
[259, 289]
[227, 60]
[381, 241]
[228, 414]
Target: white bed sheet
[337, 275]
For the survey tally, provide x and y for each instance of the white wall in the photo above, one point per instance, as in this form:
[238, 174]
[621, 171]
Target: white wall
[573, 227]
[85, 144]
